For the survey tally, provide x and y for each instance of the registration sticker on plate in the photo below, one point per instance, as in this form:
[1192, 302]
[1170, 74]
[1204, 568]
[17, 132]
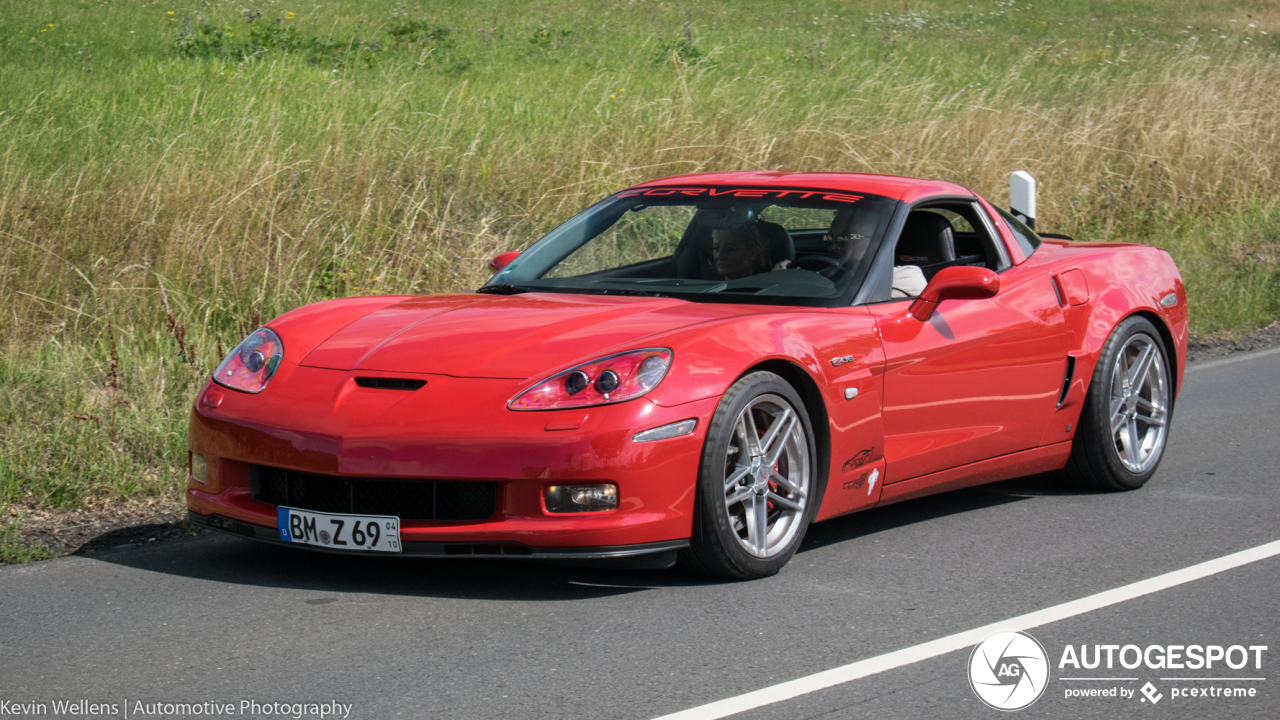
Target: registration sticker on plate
[369, 533]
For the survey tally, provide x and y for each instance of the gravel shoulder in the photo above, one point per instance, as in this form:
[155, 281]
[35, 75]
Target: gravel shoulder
[100, 525]
[1201, 349]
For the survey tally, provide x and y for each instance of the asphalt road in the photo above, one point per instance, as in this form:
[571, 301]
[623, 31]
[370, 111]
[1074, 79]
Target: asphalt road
[217, 618]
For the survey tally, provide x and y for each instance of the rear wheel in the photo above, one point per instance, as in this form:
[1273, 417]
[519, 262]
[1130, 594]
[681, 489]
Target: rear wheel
[757, 489]
[1124, 424]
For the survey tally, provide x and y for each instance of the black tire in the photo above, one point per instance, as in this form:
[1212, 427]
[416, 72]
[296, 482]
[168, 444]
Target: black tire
[721, 531]
[1098, 452]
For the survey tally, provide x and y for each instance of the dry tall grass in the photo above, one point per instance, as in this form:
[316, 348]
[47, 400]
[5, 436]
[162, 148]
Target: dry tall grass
[261, 224]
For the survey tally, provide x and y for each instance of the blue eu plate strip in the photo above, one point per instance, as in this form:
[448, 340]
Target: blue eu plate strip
[282, 524]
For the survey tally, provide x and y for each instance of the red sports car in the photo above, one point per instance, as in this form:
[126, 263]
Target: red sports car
[696, 368]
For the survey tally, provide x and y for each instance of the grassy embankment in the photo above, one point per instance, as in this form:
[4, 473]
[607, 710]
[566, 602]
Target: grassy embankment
[176, 161]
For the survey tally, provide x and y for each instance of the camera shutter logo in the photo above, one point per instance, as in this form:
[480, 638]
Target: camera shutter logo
[1009, 670]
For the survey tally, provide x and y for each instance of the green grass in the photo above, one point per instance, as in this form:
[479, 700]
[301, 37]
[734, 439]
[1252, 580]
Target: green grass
[216, 171]
[14, 548]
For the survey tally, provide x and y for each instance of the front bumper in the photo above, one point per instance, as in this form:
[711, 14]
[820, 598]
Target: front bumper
[455, 550]
[318, 421]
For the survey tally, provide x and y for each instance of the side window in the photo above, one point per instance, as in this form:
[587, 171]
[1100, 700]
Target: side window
[1027, 238]
[958, 223]
[972, 241]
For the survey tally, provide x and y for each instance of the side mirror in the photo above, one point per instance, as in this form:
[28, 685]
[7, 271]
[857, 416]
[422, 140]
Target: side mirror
[502, 260]
[955, 283]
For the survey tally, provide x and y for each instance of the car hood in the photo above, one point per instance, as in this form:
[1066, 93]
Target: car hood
[496, 336]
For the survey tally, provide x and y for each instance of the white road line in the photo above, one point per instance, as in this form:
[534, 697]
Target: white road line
[960, 641]
[1249, 355]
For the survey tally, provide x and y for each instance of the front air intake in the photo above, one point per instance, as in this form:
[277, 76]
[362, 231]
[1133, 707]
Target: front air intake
[440, 500]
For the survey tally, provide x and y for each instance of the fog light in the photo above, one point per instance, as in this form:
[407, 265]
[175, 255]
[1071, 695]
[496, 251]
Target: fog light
[199, 468]
[581, 498]
[684, 427]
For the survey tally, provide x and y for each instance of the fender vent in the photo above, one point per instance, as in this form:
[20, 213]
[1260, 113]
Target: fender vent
[1066, 381]
[389, 383]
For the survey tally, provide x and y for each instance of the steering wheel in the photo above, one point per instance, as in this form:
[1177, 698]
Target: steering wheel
[825, 266]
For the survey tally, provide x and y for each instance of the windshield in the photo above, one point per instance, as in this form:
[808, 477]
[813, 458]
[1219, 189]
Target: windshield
[775, 245]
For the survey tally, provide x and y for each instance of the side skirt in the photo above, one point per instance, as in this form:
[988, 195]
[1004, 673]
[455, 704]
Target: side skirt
[1025, 462]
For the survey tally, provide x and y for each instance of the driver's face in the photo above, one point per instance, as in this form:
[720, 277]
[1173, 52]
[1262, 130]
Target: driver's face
[849, 236]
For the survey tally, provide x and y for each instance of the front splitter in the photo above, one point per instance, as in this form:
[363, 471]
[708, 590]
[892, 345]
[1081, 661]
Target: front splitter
[656, 555]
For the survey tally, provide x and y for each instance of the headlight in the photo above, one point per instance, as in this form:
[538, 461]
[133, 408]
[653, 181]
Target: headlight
[250, 366]
[607, 380]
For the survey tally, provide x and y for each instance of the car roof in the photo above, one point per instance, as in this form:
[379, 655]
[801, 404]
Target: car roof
[891, 186]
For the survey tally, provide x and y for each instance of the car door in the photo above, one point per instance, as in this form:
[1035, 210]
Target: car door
[980, 379]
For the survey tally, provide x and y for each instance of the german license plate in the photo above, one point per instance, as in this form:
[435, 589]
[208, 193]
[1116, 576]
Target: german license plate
[368, 533]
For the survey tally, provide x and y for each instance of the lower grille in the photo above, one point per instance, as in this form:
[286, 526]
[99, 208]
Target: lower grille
[406, 499]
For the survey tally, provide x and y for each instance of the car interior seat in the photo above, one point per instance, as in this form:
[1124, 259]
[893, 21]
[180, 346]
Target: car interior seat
[778, 241]
[927, 242]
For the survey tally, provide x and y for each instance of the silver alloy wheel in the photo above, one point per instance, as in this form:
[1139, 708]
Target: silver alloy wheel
[766, 480]
[1139, 403]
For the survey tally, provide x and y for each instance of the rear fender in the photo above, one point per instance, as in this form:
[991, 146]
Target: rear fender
[1135, 281]
[1126, 281]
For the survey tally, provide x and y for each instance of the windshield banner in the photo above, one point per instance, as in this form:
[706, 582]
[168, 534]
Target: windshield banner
[740, 193]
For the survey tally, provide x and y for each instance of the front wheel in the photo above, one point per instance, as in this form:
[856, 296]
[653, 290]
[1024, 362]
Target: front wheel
[1124, 424]
[757, 485]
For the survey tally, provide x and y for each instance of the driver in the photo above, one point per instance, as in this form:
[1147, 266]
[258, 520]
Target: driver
[847, 242]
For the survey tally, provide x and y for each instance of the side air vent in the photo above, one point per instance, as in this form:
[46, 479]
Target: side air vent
[1066, 381]
[389, 383]
[1057, 292]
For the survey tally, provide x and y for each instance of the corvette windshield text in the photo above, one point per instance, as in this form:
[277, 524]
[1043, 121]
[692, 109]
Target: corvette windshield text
[740, 192]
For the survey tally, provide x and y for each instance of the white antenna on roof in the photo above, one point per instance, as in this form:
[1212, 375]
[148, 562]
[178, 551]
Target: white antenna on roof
[1022, 197]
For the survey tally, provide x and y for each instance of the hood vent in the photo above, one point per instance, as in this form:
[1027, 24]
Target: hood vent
[380, 383]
